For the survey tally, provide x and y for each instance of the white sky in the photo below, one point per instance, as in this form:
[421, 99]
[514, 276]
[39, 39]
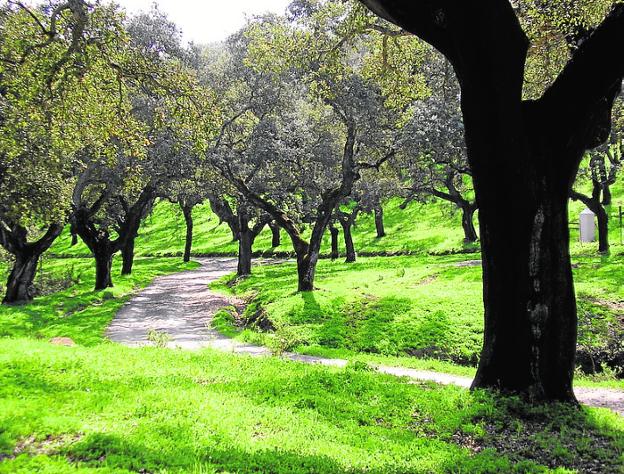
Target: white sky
[208, 20]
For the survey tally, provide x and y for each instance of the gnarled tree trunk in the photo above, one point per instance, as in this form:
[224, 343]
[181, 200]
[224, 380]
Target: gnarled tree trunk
[245, 246]
[594, 205]
[27, 255]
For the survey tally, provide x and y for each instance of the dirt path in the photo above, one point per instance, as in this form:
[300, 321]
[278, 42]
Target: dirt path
[182, 306]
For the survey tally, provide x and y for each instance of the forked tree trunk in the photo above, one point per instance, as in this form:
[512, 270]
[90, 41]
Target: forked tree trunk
[379, 222]
[470, 233]
[21, 278]
[334, 232]
[127, 255]
[275, 235]
[348, 239]
[306, 269]
[188, 243]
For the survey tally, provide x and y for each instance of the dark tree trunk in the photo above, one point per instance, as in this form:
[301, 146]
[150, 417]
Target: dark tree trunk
[379, 222]
[127, 255]
[306, 269]
[603, 230]
[530, 308]
[348, 239]
[20, 281]
[245, 246]
[188, 243]
[470, 233]
[275, 235]
[27, 255]
[334, 232]
[103, 267]
[606, 195]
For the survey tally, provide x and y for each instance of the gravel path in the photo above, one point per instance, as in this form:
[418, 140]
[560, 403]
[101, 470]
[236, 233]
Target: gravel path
[182, 306]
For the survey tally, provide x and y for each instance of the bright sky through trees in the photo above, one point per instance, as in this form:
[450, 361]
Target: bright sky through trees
[205, 21]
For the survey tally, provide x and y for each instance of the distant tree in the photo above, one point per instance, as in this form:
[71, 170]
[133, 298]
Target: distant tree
[604, 164]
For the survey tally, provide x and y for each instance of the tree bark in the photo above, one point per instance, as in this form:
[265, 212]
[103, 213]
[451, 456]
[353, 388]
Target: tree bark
[187, 210]
[379, 222]
[275, 235]
[334, 232]
[127, 255]
[20, 281]
[348, 239]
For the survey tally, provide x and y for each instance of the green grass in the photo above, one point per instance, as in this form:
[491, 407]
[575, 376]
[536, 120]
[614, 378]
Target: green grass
[114, 409]
[101, 407]
[384, 309]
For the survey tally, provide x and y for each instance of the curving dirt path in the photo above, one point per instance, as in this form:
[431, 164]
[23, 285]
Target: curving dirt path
[182, 306]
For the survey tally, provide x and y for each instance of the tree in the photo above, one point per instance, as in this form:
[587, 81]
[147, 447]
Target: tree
[306, 136]
[434, 162]
[524, 155]
[102, 207]
[594, 201]
[58, 70]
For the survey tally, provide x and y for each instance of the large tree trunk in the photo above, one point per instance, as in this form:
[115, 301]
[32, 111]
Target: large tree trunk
[530, 307]
[127, 255]
[275, 235]
[334, 232]
[188, 243]
[470, 233]
[103, 267]
[348, 238]
[20, 281]
[379, 222]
